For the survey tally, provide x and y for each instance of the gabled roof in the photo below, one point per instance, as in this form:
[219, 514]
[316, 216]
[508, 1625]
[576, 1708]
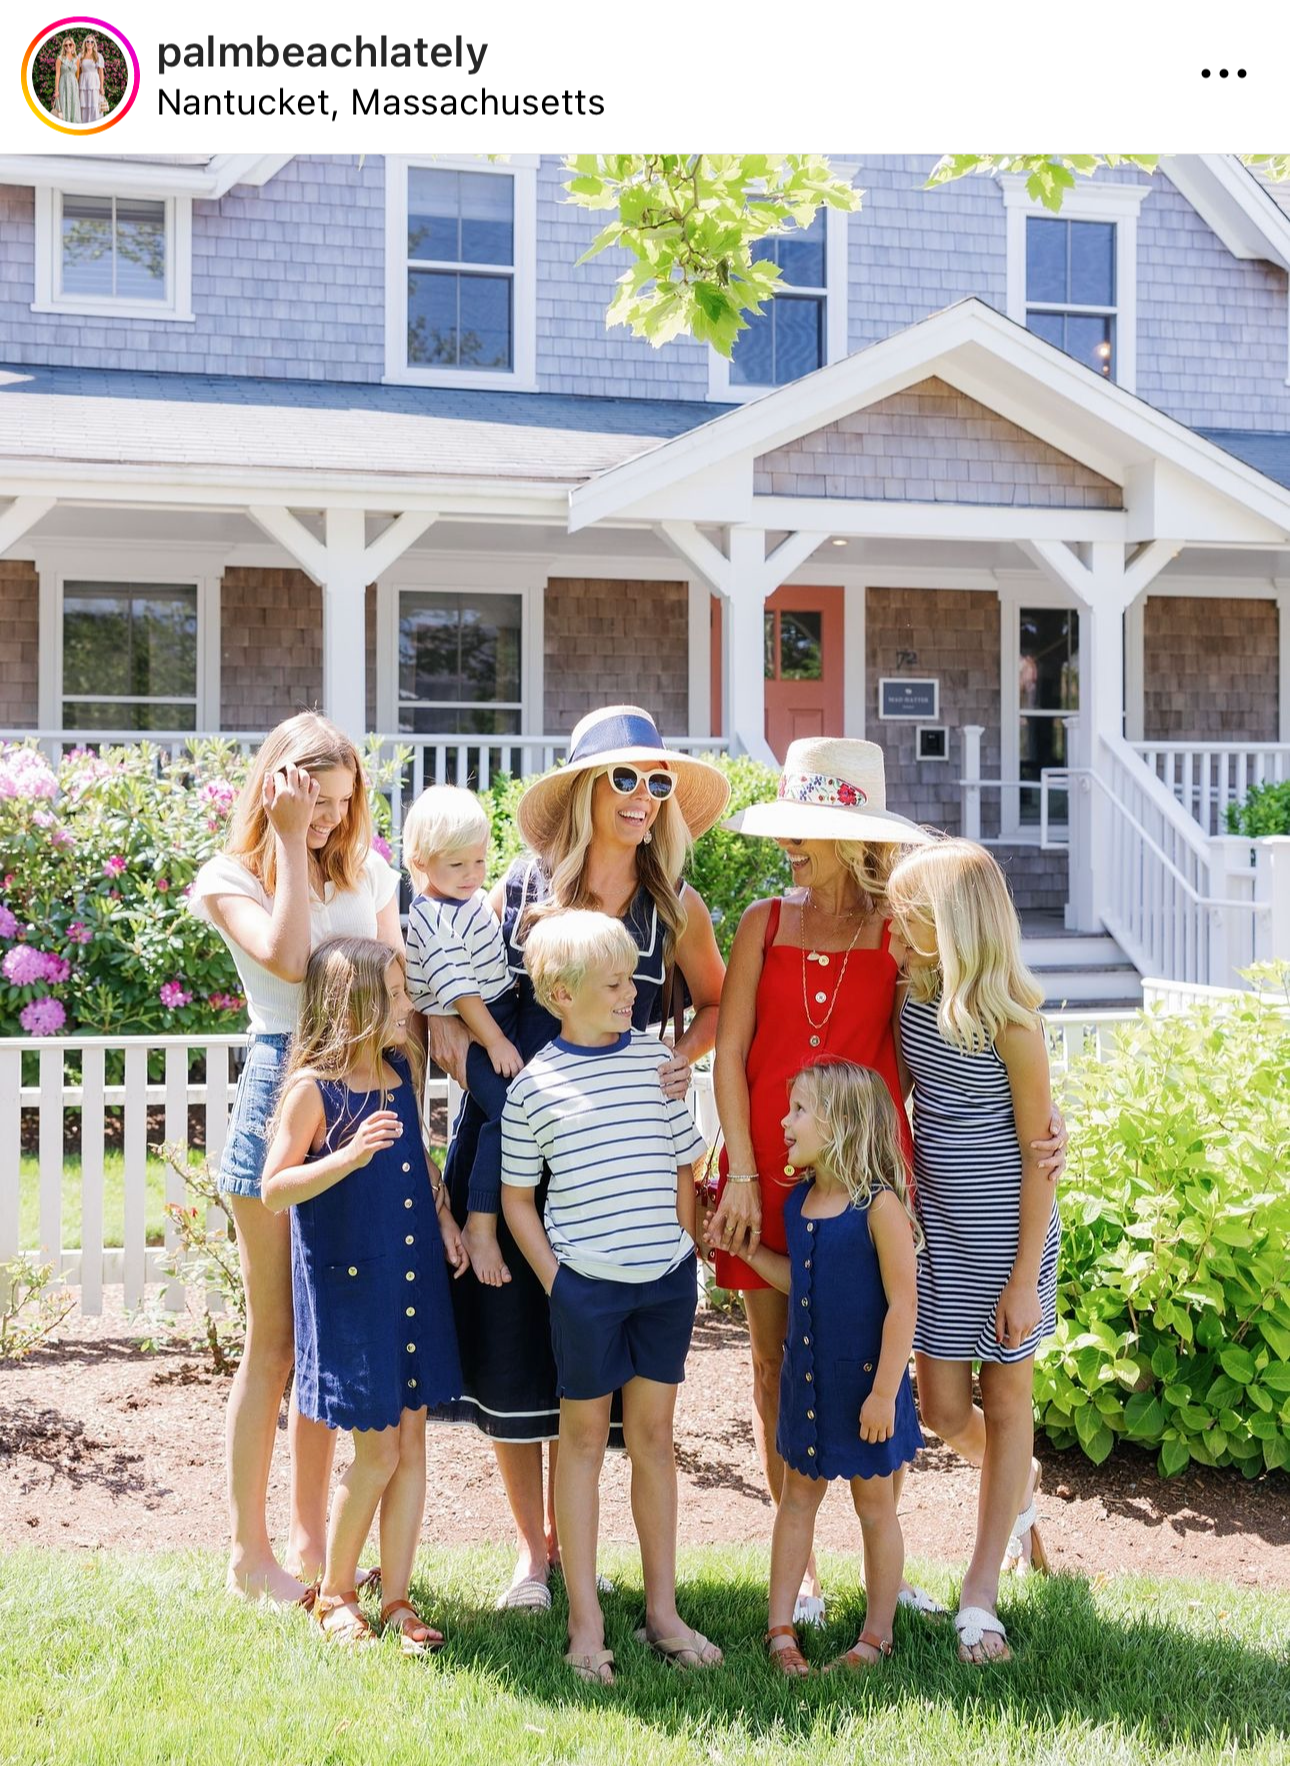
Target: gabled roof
[985, 355]
[1234, 203]
[102, 417]
[206, 175]
[1267, 450]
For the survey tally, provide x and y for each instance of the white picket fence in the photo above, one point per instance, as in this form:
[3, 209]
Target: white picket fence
[39, 1075]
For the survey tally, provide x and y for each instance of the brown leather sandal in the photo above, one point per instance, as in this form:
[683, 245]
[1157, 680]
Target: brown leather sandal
[790, 1661]
[854, 1661]
[352, 1629]
[416, 1638]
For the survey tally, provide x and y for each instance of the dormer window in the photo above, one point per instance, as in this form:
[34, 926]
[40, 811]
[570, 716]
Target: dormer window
[804, 326]
[113, 256]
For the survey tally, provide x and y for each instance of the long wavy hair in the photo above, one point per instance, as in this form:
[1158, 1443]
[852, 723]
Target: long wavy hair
[308, 741]
[658, 865]
[862, 1147]
[871, 863]
[346, 1022]
[976, 969]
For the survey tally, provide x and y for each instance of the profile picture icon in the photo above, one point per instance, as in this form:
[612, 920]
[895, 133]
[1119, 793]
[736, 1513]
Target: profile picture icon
[80, 75]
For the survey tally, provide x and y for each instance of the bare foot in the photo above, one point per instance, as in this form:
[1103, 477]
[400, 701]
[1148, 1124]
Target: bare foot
[265, 1582]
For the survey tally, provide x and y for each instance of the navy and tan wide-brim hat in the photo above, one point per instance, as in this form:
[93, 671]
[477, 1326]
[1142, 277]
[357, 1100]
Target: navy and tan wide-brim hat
[621, 734]
[831, 788]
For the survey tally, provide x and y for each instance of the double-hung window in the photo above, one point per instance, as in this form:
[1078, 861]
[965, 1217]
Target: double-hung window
[129, 656]
[1072, 277]
[460, 662]
[113, 256]
[460, 298]
[804, 326]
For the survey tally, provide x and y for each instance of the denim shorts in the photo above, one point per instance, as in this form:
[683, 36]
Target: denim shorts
[606, 1333]
[242, 1161]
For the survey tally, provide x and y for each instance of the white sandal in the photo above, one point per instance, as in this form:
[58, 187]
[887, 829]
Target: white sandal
[972, 1623]
[1014, 1558]
[531, 1596]
[919, 1601]
[809, 1609]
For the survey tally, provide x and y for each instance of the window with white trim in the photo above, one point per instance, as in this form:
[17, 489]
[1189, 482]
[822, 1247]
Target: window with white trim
[460, 296]
[460, 662]
[1072, 277]
[804, 326]
[129, 656]
[118, 256]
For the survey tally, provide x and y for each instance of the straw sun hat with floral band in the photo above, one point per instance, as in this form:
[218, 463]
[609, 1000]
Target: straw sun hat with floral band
[831, 788]
[625, 738]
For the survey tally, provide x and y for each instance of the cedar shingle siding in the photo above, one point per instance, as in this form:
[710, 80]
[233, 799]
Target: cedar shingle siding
[612, 642]
[1209, 669]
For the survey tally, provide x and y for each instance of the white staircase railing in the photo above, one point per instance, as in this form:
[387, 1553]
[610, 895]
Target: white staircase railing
[1206, 777]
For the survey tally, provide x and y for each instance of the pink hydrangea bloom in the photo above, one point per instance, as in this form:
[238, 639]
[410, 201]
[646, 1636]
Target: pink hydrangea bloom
[382, 847]
[173, 996]
[227, 1002]
[43, 1017]
[219, 794]
[163, 884]
[79, 933]
[25, 773]
[113, 866]
[25, 966]
[57, 968]
[62, 837]
[8, 922]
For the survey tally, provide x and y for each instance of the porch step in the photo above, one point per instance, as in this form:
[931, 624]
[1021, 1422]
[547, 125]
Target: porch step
[1078, 968]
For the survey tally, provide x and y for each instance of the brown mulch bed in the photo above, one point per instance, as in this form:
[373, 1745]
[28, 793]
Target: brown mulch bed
[102, 1444]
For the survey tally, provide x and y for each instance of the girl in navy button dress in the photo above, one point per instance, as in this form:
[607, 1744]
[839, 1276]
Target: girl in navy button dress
[375, 1343]
[846, 1408]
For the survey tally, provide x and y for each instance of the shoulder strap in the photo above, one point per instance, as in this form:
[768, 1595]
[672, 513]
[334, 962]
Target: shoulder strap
[885, 942]
[772, 924]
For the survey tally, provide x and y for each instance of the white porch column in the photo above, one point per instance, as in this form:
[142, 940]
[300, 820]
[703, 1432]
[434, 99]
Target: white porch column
[1106, 583]
[743, 576]
[342, 564]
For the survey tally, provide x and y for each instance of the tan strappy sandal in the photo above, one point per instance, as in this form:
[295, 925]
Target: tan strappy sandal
[855, 1662]
[416, 1638]
[790, 1661]
[589, 1666]
[352, 1630]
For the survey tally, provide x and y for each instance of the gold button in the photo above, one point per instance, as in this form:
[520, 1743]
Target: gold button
[411, 1276]
[411, 1348]
[805, 1302]
[407, 1201]
[412, 1311]
[406, 1166]
[810, 1416]
[809, 1378]
[810, 1453]
[352, 1270]
[411, 1383]
[868, 1367]
[807, 1341]
[810, 1226]
[409, 1240]
[807, 1264]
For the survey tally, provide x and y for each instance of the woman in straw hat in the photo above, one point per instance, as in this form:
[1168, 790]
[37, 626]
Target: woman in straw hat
[811, 976]
[610, 829]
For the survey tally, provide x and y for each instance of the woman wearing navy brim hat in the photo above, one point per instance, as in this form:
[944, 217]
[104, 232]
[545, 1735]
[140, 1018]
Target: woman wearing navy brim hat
[611, 829]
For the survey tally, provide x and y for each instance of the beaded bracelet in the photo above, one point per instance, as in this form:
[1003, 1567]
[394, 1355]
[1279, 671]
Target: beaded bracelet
[741, 1177]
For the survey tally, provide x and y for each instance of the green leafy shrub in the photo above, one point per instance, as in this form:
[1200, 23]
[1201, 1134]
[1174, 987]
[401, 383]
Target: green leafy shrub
[1173, 1327]
[97, 858]
[1265, 809]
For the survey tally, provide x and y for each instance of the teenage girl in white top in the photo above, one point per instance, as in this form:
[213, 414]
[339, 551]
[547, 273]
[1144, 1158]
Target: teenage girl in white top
[298, 868]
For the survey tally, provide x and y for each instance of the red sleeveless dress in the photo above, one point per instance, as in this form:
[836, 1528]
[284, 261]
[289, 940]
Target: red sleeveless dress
[858, 1030]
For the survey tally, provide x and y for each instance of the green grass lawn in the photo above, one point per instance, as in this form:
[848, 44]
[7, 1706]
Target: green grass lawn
[113, 1659]
[113, 1199]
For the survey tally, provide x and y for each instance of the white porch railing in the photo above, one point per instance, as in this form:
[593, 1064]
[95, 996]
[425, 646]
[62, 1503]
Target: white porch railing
[196, 1073]
[1207, 776]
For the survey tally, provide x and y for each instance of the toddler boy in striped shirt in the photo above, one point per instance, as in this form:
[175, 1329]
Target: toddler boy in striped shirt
[456, 963]
[614, 1250]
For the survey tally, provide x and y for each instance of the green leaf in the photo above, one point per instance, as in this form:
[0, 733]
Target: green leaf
[1144, 1416]
[1237, 1363]
[1174, 1458]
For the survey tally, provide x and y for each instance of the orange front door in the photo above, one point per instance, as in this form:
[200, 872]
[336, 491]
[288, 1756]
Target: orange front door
[804, 665]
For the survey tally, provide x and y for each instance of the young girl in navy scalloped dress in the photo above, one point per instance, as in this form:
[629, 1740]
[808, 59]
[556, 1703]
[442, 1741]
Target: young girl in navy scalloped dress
[370, 1231]
[846, 1408]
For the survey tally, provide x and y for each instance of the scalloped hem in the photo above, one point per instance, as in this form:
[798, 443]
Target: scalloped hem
[352, 1420]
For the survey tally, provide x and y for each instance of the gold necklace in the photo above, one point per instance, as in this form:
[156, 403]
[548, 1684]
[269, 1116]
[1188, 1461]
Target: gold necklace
[819, 1028]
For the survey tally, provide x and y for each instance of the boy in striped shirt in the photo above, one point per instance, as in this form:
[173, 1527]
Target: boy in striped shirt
[456, 963]
[614, 1250]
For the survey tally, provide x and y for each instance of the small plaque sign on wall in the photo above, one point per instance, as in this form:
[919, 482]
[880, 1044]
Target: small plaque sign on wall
[904, 697]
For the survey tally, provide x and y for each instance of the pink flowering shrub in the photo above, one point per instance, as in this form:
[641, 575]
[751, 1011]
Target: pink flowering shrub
[97, 861]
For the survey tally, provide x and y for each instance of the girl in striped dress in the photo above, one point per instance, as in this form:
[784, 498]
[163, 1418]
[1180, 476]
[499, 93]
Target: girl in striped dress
[973, 1043]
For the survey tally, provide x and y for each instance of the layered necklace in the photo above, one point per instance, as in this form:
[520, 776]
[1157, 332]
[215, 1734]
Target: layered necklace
[819, 1027]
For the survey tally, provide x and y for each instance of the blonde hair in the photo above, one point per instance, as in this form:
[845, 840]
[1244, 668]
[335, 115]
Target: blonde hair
[445, 818]
[346, 1019]
[658, 864]
[983, 984]
[563, 949]
[308, 741]
[862, 1146]
[871, 863]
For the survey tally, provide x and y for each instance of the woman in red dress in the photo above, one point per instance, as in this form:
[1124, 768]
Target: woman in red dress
[810, 976]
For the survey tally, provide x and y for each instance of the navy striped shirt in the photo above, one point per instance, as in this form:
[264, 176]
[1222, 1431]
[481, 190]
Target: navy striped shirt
[614, 1142]
[454, 949]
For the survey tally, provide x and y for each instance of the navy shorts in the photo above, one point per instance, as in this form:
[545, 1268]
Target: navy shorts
[241, 1164]
[606, 1333]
